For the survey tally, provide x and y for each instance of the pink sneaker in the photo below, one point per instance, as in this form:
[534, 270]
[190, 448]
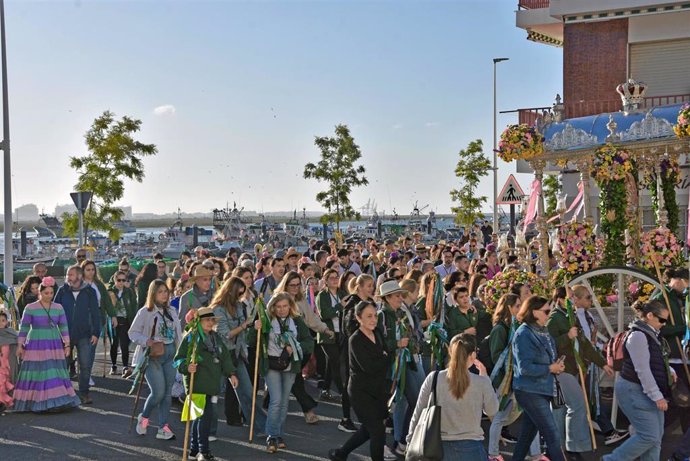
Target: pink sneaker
[541, 457]
[165, 433]
[142, 425]
[495, 458]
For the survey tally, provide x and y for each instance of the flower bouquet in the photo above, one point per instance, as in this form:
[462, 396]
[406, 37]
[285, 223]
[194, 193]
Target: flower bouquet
[502, 282]
[611, 164]
[578, 247]
[639, 290]
[682, 129]
[660, 245]
[520, 142]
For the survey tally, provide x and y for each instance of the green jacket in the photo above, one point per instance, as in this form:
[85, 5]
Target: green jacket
[558, 327]
[421, 312]
[208, 373]
[388, 324]
[677, 330]
[128, 301]
[107, 307]
[457, 322]
[330, 314]
[498, 341]
[304, 337]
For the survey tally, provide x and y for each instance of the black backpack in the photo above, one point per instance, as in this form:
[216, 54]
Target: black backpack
[484, 354]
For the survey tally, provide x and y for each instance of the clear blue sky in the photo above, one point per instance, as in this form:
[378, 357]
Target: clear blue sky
[252, 83]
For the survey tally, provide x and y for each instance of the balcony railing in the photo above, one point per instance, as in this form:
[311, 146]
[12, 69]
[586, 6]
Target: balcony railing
[532, 4]
[585, 108]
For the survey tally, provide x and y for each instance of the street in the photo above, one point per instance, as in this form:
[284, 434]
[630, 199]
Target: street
[100, 432]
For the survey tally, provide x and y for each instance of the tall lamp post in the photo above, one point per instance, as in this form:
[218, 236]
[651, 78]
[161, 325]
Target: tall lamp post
[496, 228]
[7, 174]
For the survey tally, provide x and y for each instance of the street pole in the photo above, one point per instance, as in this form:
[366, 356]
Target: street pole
[81, 220]
[8, 272]
[495, 206]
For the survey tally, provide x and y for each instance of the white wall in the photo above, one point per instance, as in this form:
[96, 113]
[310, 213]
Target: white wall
[656, 27]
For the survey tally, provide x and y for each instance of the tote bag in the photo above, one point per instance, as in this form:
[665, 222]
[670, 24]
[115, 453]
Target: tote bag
[425, 444]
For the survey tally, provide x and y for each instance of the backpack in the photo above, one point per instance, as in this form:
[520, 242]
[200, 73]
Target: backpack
[614, 350]
[484, 354]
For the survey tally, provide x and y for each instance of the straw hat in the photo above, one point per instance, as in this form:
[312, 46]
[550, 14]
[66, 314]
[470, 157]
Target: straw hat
[292, 251]
[390, 287]
[205, 312]
[200, 271]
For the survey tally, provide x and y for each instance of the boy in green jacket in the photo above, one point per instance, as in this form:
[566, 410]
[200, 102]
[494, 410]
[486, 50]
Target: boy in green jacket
[214, 361]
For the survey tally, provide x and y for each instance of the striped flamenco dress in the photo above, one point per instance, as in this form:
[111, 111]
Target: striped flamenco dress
[43, 383]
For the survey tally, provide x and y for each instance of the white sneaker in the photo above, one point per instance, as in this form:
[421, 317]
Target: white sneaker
[164, 433]
[212, 438]
[142, 425]
[388, 455]
[91, 381]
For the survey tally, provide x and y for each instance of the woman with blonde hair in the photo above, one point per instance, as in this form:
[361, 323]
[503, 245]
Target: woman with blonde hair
[292, 284]
[287, 334]
[464, 397]
[157, 322]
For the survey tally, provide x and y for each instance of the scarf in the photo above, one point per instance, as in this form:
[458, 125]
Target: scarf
[286, 335]
[199, 299]
[8, 336]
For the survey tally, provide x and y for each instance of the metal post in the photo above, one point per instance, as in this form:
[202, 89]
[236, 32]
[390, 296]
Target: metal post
[496, 228]
[7, 173]
[81, 220]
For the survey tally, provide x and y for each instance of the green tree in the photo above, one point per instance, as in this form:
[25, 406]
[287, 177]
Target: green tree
[337, 168]
[114, 155]
[472, 166]
[551, 187]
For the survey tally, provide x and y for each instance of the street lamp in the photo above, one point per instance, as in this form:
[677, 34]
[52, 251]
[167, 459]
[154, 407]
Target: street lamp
[5, 145]
[496, 228]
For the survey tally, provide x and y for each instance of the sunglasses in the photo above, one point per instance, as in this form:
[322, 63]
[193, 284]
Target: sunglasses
[662, 320]
[121, 280]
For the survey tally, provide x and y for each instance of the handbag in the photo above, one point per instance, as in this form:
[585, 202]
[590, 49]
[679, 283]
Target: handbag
[279, 363]
[157, 348]
[425, 444]
[558, 401]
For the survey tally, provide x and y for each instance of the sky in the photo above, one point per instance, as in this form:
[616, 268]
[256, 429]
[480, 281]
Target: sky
[233, 93]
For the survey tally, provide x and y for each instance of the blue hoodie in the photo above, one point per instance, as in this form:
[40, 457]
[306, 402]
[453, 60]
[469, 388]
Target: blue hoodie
[83, 312]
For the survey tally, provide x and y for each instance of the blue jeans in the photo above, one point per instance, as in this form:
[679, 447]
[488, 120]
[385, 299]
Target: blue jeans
[402, 413]
[572, 418]
[279, 384]
[201, 428]
[160, 376]
[244, 395]
[86, 353]
[537, 418]
[500, 420]
[466, 450]
[647, 420]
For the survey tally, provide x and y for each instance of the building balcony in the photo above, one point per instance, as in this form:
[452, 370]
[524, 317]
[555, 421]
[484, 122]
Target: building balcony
[577, 109]
[533, 4]
[534, 17]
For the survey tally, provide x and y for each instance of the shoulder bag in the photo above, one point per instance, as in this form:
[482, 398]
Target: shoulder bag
[425, 444]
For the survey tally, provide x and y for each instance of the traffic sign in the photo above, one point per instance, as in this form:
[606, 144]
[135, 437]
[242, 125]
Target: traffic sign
[511, 194]
[81, 202]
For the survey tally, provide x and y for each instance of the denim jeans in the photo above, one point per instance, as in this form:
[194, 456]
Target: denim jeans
[500, 420]
[279, 384]
[465, 450]
[537, 417]
[160, 376]
[244, 395]
[402, 413]
[647, 420]
[86, 353]
[201, 428]
[572, 418]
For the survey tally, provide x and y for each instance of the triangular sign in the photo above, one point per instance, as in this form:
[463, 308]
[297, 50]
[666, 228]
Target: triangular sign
[81, 200]
[511, 194]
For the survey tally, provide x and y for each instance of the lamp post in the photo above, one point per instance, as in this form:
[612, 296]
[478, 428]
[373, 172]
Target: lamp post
[496, 228]
[7, 174]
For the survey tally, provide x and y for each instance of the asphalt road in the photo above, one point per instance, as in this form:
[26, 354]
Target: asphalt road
[100, 432]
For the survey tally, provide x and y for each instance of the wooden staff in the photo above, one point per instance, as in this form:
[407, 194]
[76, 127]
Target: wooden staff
[670, 313]
[189, 406]
[589, 414]
[256, 383]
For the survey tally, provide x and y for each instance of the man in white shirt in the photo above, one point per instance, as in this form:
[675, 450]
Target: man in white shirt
[446, 267]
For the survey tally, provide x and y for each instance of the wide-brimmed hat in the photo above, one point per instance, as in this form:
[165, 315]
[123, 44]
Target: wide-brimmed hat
[205, 312]
[421, 247]
[200, 271]
[390, 287]
[292, 251]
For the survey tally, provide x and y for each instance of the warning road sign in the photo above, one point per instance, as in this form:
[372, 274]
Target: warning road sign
[511, 194]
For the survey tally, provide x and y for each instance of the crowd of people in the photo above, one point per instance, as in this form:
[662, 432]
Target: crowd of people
[356, 317]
